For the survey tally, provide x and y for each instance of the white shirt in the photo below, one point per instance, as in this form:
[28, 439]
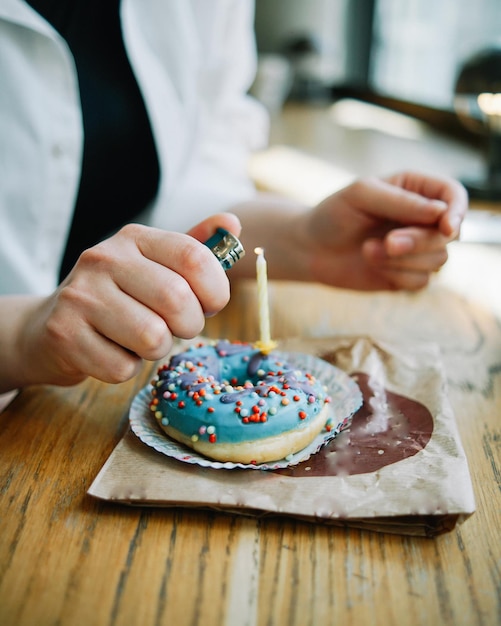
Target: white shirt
[194, 61]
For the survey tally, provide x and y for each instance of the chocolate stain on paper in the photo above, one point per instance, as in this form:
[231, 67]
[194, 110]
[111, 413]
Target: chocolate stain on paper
[386, 429]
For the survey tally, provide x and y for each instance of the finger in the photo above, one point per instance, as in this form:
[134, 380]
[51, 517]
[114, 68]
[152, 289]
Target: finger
[208, 227]
[144, 285]
[450, 223]
[405, 280]
[445, 189]
[128, 323]
[164, 304]
[114, 365]
[139, 305]
[190, 259]
[393, 203]
[375, 253]
[114, 315]
[413, 240]
[79, 349]
[180, 254]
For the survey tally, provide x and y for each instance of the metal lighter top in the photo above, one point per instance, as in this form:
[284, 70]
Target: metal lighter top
[226, 247]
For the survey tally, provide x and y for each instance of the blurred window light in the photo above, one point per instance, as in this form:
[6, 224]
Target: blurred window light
[490, 103]
[356, 114]
[418, 46]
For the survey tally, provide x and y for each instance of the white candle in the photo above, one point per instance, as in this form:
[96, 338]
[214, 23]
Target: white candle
[265, 344]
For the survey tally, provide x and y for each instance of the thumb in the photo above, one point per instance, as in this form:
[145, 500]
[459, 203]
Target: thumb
[208, 227]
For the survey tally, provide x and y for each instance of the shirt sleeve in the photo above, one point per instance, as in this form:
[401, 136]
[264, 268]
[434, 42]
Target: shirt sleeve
[230, 124]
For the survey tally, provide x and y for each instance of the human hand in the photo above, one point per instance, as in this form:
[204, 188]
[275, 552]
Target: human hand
[124, 301]
[384, 233]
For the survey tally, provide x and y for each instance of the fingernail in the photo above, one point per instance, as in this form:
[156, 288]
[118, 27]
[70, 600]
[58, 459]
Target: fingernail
[400, 244]
[439, 204]
[455, 224]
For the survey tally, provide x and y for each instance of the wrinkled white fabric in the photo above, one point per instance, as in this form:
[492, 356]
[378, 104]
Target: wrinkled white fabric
[194, 61]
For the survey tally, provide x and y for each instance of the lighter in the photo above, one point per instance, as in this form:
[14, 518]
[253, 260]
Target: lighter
[226, 247]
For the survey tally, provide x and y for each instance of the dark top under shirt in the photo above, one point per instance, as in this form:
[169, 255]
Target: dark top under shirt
[120, 170]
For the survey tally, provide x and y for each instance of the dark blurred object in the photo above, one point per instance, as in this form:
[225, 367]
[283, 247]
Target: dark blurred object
[477, 101]
[305, 55]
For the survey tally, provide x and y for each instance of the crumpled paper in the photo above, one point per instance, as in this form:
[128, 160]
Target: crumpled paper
[399, 468]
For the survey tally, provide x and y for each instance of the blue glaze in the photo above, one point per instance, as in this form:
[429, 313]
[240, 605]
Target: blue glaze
[232, 379]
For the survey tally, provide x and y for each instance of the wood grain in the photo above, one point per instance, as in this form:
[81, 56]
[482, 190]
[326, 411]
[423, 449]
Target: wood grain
[67, 559]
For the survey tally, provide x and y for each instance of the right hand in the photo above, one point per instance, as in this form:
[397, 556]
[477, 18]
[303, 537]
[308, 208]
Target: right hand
[124, 301]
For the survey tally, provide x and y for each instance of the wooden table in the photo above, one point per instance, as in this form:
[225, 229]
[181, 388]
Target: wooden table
[68, 559]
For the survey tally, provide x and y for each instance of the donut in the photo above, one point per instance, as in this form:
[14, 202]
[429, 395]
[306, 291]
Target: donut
[230, 402]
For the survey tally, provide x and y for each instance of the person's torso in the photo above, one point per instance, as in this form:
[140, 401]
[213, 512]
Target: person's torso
[193, 91]
[120, 169]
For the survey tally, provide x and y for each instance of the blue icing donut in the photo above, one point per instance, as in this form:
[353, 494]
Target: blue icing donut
[225, 399]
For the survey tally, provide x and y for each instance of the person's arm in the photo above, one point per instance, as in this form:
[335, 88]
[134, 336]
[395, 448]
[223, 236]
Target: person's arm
[14, 314]
[373, 234]
[124, 301]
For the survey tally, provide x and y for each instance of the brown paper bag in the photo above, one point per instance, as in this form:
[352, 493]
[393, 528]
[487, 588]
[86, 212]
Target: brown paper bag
[399, 468]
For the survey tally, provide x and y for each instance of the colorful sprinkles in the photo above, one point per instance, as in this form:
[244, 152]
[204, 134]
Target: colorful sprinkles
[191, 382]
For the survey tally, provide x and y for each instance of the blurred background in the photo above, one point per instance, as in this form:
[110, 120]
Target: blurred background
[360, 87]
[407, 50]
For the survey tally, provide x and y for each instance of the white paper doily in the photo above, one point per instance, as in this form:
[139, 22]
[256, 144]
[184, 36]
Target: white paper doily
[346, 399]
